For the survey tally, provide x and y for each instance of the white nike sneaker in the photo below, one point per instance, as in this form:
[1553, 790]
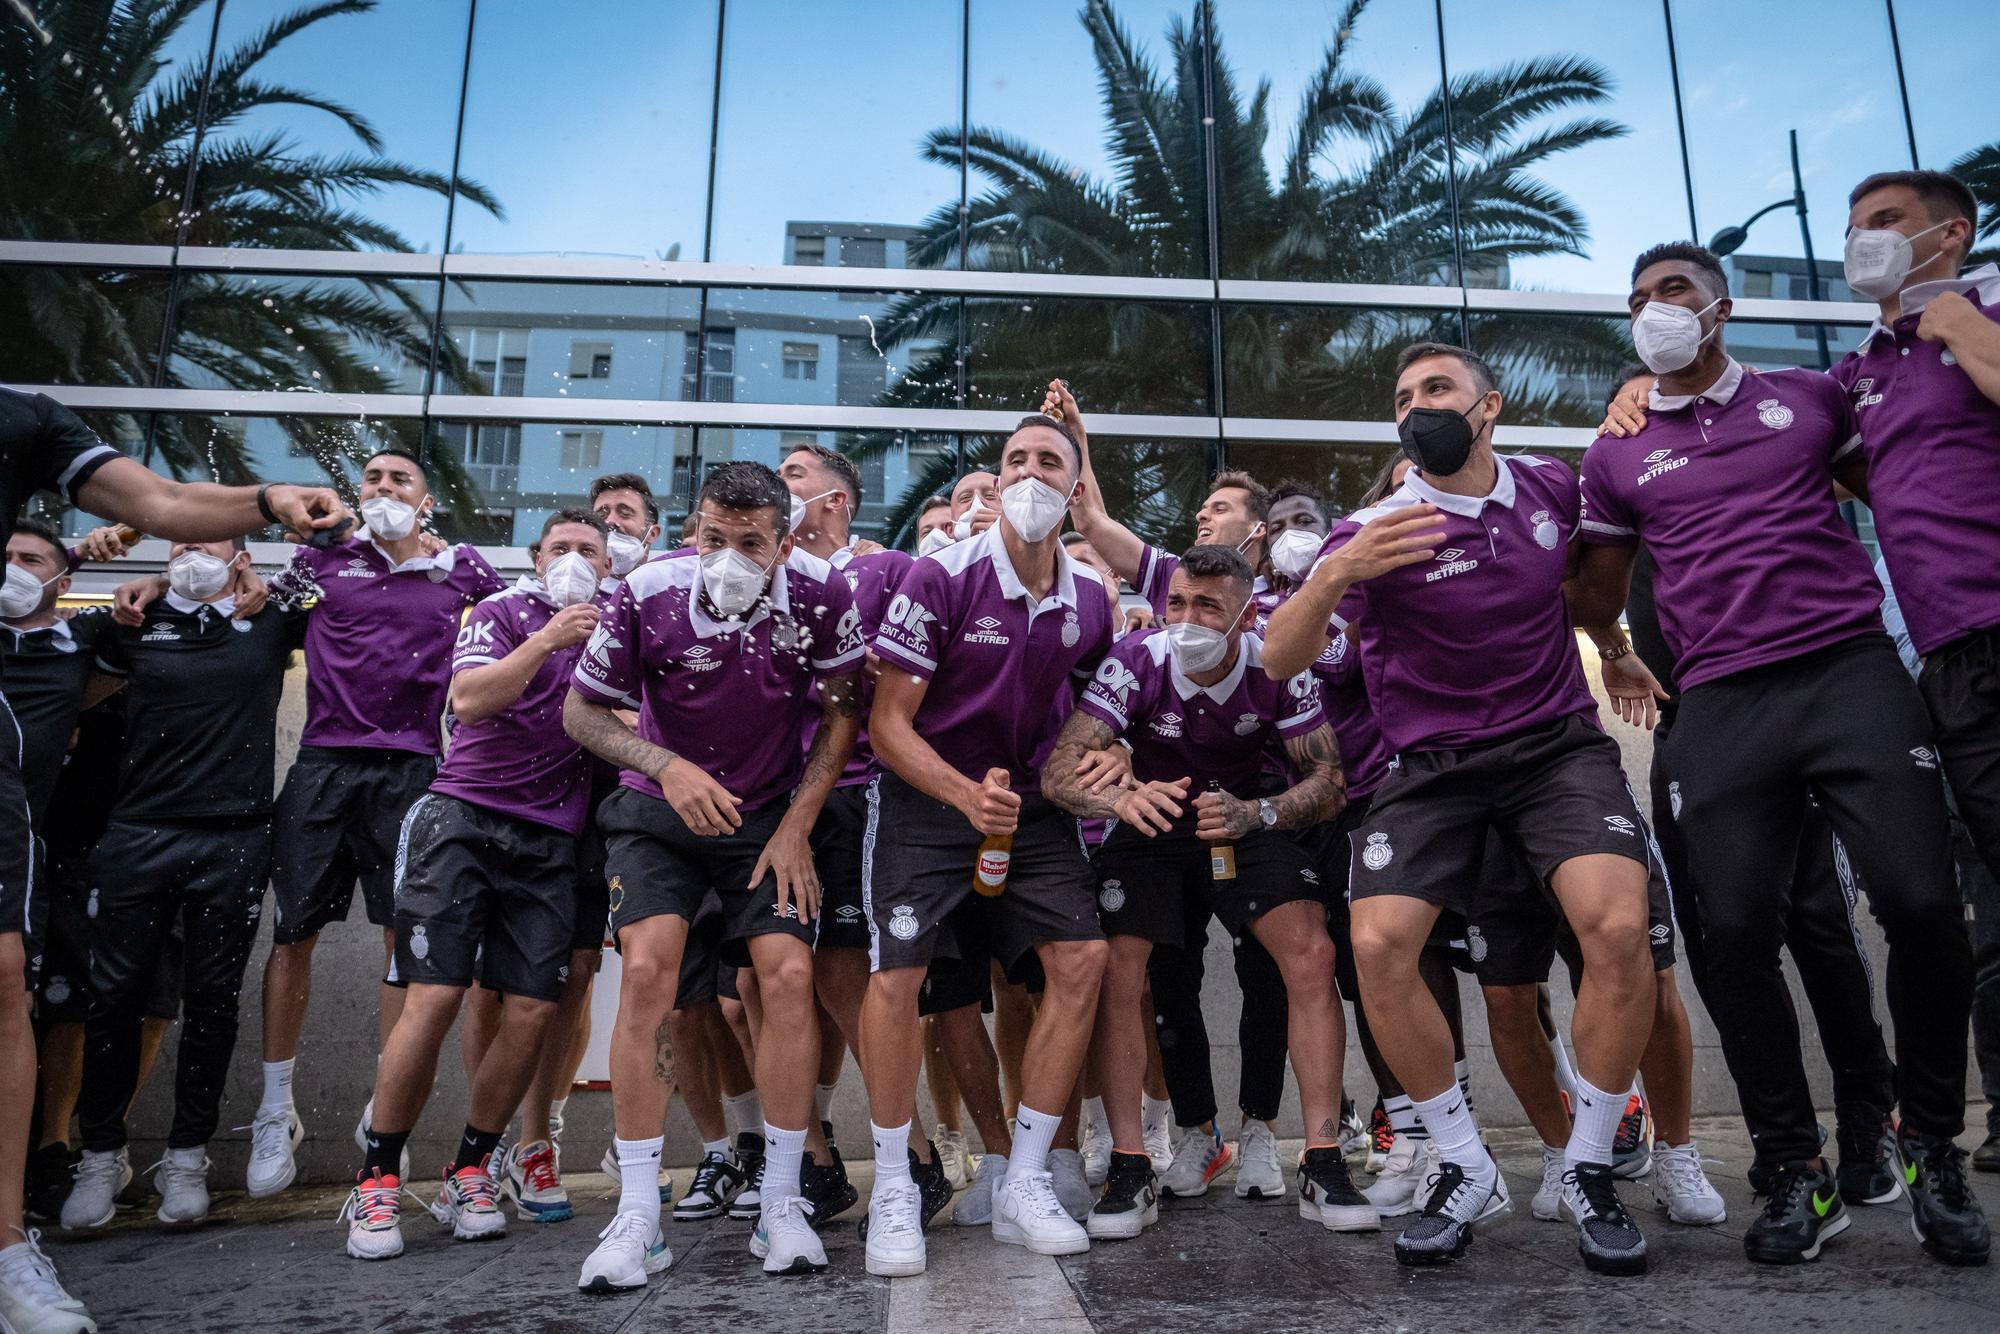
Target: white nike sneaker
[975, 1207]
[1258, 1174]
[955, 1157]
[1547, 1204]
[608, 1165]
[1027, 1213]
[1399, 1186]
[1096, 1140]
[895, 1230]
[182, 1180]
[275, 1136]
[361, 1129]
[1199, 1158]
[93, 1195]
[1072, 1185]
[1159, 1140]
[1681, 1187]
[785, 1239]
[374, 1217]
[469, 1204]
[32, 1300]
[628, 1250]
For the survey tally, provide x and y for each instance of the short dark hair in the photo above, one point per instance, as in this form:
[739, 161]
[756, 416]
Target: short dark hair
[1625, 376]
[1211, 561]
[397, 451]
[1048, 423]
[1073, 538]
[1260, 495]
[744, 484]
[1482, 374]
[43, 530]
[837, 463]
[1687, 252]
[1293, 489]
[1940, 190]
[576, 514]
[689, 522]
[627, 481]
[931, 502]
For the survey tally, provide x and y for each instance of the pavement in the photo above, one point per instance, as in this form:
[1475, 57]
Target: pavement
[1215, 1264]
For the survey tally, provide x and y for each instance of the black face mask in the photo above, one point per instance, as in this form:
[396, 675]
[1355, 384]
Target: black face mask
[1437, 440]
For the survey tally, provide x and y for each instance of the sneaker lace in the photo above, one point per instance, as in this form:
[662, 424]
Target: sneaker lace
[181, 1176]
[627, 1227]
[793, 1211]
[1679, 1169]
[1790, 1183]
[1038, 1193]
[895, 1210]
[30, 1271]
[1599, 1192]
[708, 1175]
[1257, 1142]
[270, 1133]
[1631, 1126]
[538, 1167]
[1943, 1172]
[1384, 1134]
[373, 1203]
[98, 1169]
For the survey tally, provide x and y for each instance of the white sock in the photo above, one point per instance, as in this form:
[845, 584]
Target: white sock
[823, 1101]
[556, 1106]
[1093, 1112]
[1152, 1111]
[1596, 1125]
[745, 1112]
[639, 1176]
[892, 1154]
[277, 1085]
[1456, 1134]
[721, 1148]
[1034, 1132]
[1565, 1072]
[783, 1151]
[1402, 1114]
[1464, 1078]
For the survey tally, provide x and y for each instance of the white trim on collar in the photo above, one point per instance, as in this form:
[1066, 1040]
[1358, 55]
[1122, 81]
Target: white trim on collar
[1719, 393]
[226, 607]
[1985, 280]
[1466, 506]
[443, 561]
[1063, 590]
[1220, 692]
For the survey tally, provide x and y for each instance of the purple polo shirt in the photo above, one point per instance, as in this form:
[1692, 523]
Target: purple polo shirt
[1476, 645]
[728, 696]
[1731, 490]
[1156, 572]
[1932, 442]
[1343, 697]
[378, 643]
[873, 580]
[518, 762]
[1205, 734]
[1003, 671]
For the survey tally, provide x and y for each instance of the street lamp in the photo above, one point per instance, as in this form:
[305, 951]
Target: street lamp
[1730, 239]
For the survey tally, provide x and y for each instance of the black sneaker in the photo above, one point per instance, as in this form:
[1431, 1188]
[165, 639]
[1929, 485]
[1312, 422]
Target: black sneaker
[826, 1189]
[749, 1201]
[1986, 1158]
[1868, 1171]
[1606, 1237]
[1131, 1200]
[1804, 1210]
[716, 1182]
[1444, 1228]
[1943, 1213]
[826, 1131]
[48, 1181]
[1327, 1195]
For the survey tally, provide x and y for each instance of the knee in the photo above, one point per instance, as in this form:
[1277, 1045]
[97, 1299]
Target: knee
[1380, 953]
[1625, 951]
[1075, 968]
[1513, 1010]
[527, 1016]
[644, 978]
[1308, 967]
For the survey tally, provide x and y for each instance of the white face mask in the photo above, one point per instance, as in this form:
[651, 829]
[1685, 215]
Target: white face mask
[1667, 336]
[937, 539]
[626, 553]
[197, 576]
[1033, 507]
[389, 518]
[1293, 552]
[22, 595]
[1878, 262]
[733, 581]
[961, 527]
[799, 508]
[570, 579]
[1197, 648]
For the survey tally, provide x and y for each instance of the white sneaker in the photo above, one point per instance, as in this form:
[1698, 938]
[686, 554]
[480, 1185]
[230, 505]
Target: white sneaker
[1027, 1213]
[1258, 1175]
[529, 1179]
[182, 1180]
[469, 1204]
[975, 1207]
[608, 1165]
[785, 1239]
[628, 1250]
[1096, 1152]
[1681, 1187]
[1547, 1204]
[1198, 1159]
[32, 1301]
[1072, 1185]
[1399, 1186]
[955, 1157]
[93, 1195]
[361, 1129]
[374, 1217]
[275, 1136]
[1159, 1141]
[895, 1230]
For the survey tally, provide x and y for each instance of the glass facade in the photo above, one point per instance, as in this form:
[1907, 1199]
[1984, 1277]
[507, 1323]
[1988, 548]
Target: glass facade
[541, 243]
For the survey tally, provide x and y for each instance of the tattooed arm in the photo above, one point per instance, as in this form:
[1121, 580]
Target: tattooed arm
[1060, 782]
[599, 730]
[1320, 794]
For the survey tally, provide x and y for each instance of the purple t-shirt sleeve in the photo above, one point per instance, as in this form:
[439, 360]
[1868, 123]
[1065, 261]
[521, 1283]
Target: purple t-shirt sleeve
[1094, 653]
[482, 581]
[1840, 408]
[837, 645]
[1156, 571]
[1114, 687]
[917, 620]
[1301, 711]
[1607, 512]
[489, 633]
[608, 669]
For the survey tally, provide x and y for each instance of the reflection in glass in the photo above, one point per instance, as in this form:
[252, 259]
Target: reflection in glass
[571, 340]
[1766, 345]
[80, 326]
[1119, 356]
[1152, 487]
[1325, 363]
[123, 431]
[898, 469]
[301, 334]
[1555, 370]
[846, 349]
[515, 474]
[1341, 473]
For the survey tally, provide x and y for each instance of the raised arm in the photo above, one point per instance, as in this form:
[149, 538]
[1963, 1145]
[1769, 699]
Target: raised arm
[1298, 631]
[479, 692]
[1120, 546]
[203, 511]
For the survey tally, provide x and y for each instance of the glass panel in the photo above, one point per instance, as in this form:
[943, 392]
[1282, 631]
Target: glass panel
[1330, 363]
[825, 113]
[1756, 343]
[1342, 473]
[1119, 356]
[1069, 175]
[1552, 121]
[81, 326]
[496, 482]
[568, 340]
[75, 164]
[588, 127]
[1337, 175]
[1152, 487]
[306, 335]
[1558, 370]
[851, 349]
[898, 469]
[1949, 47]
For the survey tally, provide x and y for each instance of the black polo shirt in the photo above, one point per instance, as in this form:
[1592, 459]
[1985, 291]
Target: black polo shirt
[46, 671]
[43, 446]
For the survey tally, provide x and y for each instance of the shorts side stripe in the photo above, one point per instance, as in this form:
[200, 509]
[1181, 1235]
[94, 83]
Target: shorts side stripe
[868, 872]
[1850, 893]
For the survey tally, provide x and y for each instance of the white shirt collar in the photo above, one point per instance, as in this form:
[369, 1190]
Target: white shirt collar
[1985, 280]
[225, 608]
[1011, 587]
[1220, 692]
[1467, 506]
[60, 629]
[1719, 393]
[838, 560]
[423, 560]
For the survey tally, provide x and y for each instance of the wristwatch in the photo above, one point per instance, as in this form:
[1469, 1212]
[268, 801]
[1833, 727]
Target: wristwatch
[1615, 652]
[1267, 814]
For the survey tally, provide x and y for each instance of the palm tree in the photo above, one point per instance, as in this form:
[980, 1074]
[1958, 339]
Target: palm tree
[1389, 218]
[1980, 170]
[100, 135]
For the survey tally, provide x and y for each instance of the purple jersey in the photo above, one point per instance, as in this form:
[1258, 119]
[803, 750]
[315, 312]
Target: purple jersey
[873, 580]
[378, 643]
[1156, 572]
[1476, 645]
[1205, 734]
[1003, 671]
[518, 762]
[1732, 492]
[1932, 441]
[728, 696]
[1343, 697]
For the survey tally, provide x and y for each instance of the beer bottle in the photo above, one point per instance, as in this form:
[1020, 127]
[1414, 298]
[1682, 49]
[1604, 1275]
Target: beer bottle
[1221, 856]
[989, 873]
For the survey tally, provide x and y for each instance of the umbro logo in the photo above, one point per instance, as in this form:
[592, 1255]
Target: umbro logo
[1925, 757]
[1450, 555]
[986, 630]
[1658, 456]
[357, 568]
[1168, 725]
[988, 623]
[1659, 462]
[700, 658]
[1621, 824]
[161, 633]
[1450, 561]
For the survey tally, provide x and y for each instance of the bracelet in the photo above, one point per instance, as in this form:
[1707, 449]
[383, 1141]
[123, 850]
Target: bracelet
[1615, 652]
[264, 503]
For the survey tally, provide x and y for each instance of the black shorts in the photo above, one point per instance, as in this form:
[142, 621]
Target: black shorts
[659, 866]
[1517, 927]
[954, 983]
[704, 977]
[339, 817]
[65, 995]
[836, 847]
[1328, 846]
[1156, 888]
[18, 909]
[917, 869]
[1551, 794]
[593, 891]
[483, 894]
